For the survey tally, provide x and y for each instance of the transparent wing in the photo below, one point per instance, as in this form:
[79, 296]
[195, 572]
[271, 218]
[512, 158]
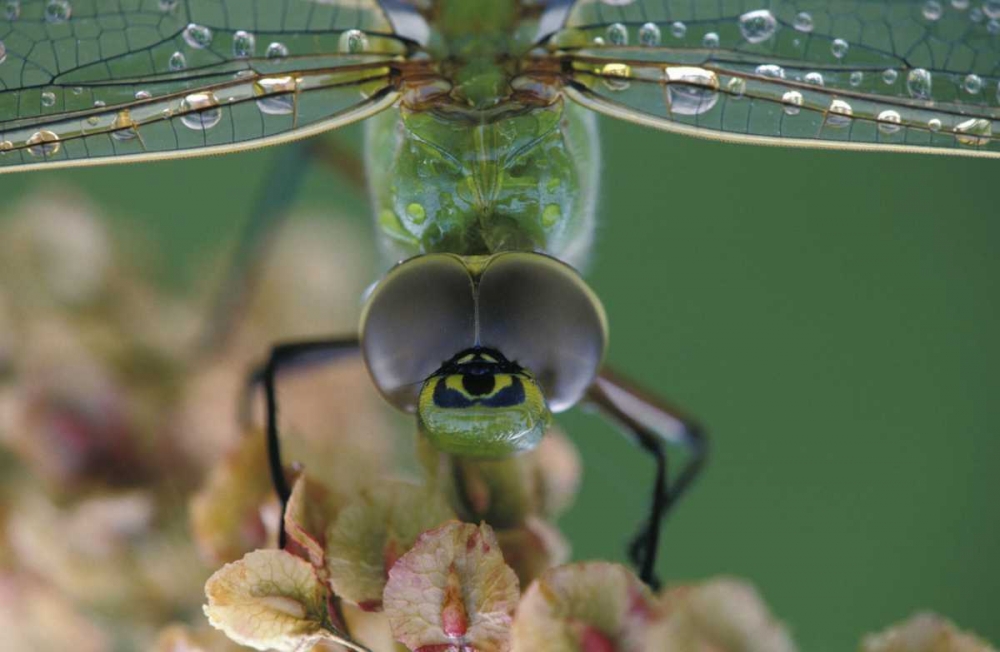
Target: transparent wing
[856, 74]
[95, 81]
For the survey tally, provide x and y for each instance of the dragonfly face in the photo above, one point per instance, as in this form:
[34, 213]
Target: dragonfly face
[481, 348]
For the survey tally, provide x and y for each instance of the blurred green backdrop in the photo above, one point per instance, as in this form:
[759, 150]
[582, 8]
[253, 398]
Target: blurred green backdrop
[831, 317]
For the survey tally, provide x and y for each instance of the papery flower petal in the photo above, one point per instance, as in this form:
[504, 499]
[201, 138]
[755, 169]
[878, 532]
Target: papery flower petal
[372, 532]
[585, 607]
[452, 591]
[723, 615]
[924, 632]
[270, 599]
[227, 513]
[310, 511]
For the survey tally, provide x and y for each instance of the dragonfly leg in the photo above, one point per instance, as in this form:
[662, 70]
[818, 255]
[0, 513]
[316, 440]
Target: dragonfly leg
[289, 356]
[652, 424]
[275, 197]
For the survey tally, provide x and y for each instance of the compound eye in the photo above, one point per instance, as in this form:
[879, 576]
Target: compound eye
[539, 313]
[415, 319]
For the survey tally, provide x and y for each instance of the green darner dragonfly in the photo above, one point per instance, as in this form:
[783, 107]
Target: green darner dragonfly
[481, 153]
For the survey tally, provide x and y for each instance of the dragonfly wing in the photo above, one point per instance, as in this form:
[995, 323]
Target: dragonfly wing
[85, 82]
[853, 74]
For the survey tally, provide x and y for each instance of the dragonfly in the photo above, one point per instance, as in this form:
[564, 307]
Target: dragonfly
[482, 157]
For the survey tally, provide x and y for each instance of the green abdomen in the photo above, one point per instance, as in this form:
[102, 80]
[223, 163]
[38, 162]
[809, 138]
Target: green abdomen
[525, 182]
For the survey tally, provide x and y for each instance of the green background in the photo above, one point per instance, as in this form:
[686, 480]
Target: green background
[832, 319]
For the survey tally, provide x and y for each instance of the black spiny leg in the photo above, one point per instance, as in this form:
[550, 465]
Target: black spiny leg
[288, 357]
[651, 423]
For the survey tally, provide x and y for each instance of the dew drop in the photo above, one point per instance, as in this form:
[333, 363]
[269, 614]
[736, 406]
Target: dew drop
[814, 78]
[890, 75]
[803, 22]
[244, 44]
[5, 146]
[57, 11]
[973, 84]
[169, 5]
[758, 26]
[889, 121]
[76, 90]
[617, 3]
[3, 52]
[992, 9]
[857, 78]
[649, 35]
[278, 95]
[975, 132]
[353, 41]
[961, 5]
[617, 34]
[678, 29]
[993, 27]
[177, 61]
[276, 51]
[691, 90]
[197, 36]
[918, 83]
[418, 214]
[737, 86]
[793, 101]
[143, 95]
[976, 15]
[12, 10]
[204, 111]
[123, 127]
[934, 124]
[770, 70]
[932, 10]
[710, 40]
[839, 114]
[839, 48]
[48, 98]
[616, 76]
[598, 41]
[43, 143]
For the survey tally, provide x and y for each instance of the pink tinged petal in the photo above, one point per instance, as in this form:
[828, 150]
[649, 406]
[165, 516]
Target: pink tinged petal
[596, 606]
[452, 591]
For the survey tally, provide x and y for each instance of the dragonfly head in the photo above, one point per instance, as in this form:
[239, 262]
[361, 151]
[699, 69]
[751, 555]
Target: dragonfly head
[483, 348]
[481, 404]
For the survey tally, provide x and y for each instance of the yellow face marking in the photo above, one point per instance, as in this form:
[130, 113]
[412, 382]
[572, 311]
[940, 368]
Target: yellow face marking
[500, 382]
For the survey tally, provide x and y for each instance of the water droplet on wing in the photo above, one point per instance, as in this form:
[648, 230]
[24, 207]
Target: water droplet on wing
[889, 121]
[353, 41]
[803, 22]
[244, 44]
[43, 143]
[58, 11]
[758, 26]
[839, 48]
[649, 35]
[617, 34]
[839, 114]
[932, 10]
[918, 83]
[203, 111]
[197, 36]
[975, 132]
[793, 102]
[691, 90]
[177, 61]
